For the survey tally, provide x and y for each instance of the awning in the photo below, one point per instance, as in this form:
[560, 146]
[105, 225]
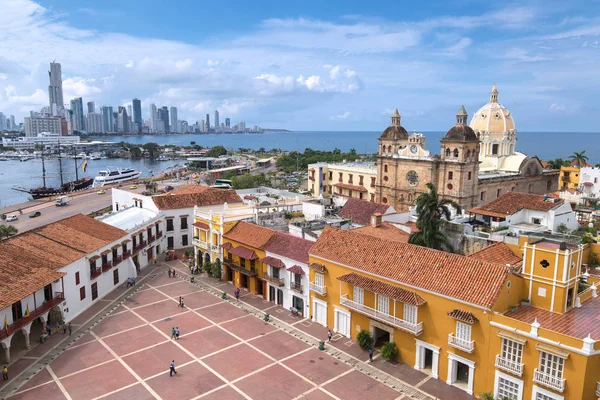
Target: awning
[273, 262]
[351, 187]
[105, 252]
[116, 246]
[243, 252]
[227, 246]
[320, 268]
[201, 225]
[150, 226]
[463, 316]
[94, 258]
[125, 241]
[296, 269]
[384, 289]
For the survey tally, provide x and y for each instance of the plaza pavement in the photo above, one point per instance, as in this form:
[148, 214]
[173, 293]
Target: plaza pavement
[224, 352]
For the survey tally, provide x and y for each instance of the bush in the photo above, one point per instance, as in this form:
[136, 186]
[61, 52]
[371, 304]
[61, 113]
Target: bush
[208, 268]
[364, 340]
[216, 269]
[389, 351]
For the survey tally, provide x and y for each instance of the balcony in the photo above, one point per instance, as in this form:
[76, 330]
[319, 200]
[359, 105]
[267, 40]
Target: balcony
[297, 287]
[94, 273]
[106, 266]
[21, 322]
[151, 239]
[159, 234]
[312, 178]
[117, 260]
[140, 246]
[415, 329]
[272, 279]
[240, 269]
[322, 290]
[553, 382]
[126, 255]
[461, 344]
[509, 365]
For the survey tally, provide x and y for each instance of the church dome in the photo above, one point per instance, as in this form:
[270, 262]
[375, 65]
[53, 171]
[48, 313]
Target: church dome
[493, 117]
[395, 131]
[461, 131]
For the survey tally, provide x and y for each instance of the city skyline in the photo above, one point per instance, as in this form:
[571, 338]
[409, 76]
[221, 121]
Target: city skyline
[338, 68]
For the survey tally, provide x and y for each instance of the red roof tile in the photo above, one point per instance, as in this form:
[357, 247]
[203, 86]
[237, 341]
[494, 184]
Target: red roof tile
[464, 316]
[382, 288]
[289, 246]
[320, 268]
[498, 253]
[511, 202]
[296, 269]
[360, 211]
[348, 186]
[273, 262]
[194, 195]
[227, 246]
[436, 271]
[385, 231]
[249, 234]
[201, 225]
[243, 252]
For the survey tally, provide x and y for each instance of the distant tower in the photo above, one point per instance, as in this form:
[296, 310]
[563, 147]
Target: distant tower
[55, 90]
[153, 118]
[174, 127]
[207, 123]
[216, 122]
[228, 122]
[77, 110]
[91, 107]
[165, 113]
[137, 111]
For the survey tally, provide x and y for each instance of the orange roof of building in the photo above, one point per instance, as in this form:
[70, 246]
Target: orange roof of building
[385, 231]
[249, 234]
[498, 253]
[433, 270]
[360, 211]
[194, 195]
[382, 288]
[31, 260]
[511, 202]
[349, 186]
[289, 246]
[462, 315]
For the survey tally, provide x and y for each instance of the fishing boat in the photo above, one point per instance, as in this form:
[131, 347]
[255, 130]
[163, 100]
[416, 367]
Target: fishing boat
[115, 175]
[64, 188]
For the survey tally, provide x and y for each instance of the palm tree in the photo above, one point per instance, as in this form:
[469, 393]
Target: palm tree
[580, 159]
[7, 230]
[433, 214]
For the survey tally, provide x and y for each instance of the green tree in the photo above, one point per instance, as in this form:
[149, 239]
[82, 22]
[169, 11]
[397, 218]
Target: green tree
[580, 159]
[557, 163]
[432, 213]
[7, 230]
[135, 152]
[490, 396]
[216, 151]
[152, 148]
[389, 351]
[216, 269]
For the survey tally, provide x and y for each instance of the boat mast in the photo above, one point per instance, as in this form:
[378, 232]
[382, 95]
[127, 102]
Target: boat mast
[60, 165]
[43, 168]
[75, 160]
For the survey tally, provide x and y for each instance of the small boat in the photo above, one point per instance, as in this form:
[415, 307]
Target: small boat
[115, 175]
[25, 158]
[3, 159]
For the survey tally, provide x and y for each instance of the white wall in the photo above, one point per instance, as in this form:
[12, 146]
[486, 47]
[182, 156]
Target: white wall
[125, 198]
[312, 211]
[177, 233]
[287, 291]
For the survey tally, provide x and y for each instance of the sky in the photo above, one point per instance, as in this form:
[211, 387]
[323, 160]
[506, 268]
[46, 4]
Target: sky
[311, 65]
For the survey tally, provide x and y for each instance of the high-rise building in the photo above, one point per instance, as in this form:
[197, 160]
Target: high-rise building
[94, 123]
[36, 125]
[3, 126]
[174, 124]
[122, 120]
[153, 117]
[165, 119]
[228, 122]
[91, 107]
[77, 110]
[55, 90]
[216, 123]
[207, 123]
[13, 126]
[107, 119]
[137, 112]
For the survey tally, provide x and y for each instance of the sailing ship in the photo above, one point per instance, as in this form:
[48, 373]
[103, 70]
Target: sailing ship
[64, 188]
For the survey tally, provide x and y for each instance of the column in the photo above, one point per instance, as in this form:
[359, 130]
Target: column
[434, 364]
[451, 371]
[27, 343]
[7, 354]
[471, 378]
[418, 357]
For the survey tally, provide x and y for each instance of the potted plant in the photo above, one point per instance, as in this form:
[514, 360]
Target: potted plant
[364, 340]
[525, 302]
[389, 351]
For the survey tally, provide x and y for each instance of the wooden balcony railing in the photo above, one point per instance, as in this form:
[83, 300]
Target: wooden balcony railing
[140, 246]
[297, 286]
[106, 266]
[243, 270]
[272, 279]
[159, 234]
[117, 260]
[33, 314]
[94, 273]
[127, 254]
[151, 239]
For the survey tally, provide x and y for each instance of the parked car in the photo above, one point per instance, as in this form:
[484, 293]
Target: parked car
[101, 191]
[133, 187]
[12, 217]
[168, 188]
[35, 214]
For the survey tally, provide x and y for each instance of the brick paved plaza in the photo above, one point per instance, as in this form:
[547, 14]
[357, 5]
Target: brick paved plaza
[224, 352]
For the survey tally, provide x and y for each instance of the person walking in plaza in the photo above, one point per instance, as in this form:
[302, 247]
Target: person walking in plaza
[237, 294]
[169, 272]
[70, 329]
[180, 301]
[172, 368]
[177, 333]
[173, 333]
[173, 273]
[57, 326]
[64, 328]
[329, 335]
[371, 354]
[5, 373]
[48, 329]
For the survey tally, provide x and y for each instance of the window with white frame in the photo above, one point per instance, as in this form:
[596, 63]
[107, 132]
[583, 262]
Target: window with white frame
[410, 313]
[383, 304]
[551, 364]
[545, 396]
[512, 350]
[359, 295]
[508, 388]
[463, 331]
[319, 280]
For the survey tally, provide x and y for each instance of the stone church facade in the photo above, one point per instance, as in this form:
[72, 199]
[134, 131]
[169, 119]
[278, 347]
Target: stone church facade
[477, 162]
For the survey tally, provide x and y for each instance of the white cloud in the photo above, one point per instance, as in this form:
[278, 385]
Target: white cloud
[80, 87]
[343, 116]
[3, 77]
[557, 107]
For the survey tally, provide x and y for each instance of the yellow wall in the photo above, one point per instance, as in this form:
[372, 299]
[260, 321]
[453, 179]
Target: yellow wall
[253, 282]
[569, 178]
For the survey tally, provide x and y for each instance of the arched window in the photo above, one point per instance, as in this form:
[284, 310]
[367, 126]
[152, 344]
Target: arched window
[385, 168]
[456, 153]
[447, 152]
[389, 149]
[468, 154]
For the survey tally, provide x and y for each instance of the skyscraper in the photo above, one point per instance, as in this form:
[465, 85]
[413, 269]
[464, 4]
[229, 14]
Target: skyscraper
[13, 126]
[107, 118]
[122, 120]
[91, 107]
[55, 90]
[207, 123]
[174, 125]
[153, 118]
[2, 122]
[137, 112]
[228, 122]
[217, 125]
[165, 114]
[77, 110]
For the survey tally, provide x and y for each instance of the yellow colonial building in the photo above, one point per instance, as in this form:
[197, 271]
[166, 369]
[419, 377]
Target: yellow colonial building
[569, 178]
[350, 179]
[520, 322]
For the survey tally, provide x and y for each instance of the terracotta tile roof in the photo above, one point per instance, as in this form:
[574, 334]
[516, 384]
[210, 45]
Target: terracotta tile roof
[436, 271]
[273, 262]
[289, 246]
[412, 226]
[464, 316]
[348, 186]
[511, 202]
[498, 253]
[382, 288]
[296, 269]
[577, 323]
[227, 246]
[360, 211]
[244, 252]
[249, 234]
[201, 225]
[385, 231]
[187, 197]
[320, 268]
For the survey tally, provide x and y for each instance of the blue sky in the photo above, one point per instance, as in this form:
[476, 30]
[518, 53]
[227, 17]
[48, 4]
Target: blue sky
[311, 65]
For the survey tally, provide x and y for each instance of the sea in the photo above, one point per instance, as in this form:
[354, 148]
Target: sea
[545, 145]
